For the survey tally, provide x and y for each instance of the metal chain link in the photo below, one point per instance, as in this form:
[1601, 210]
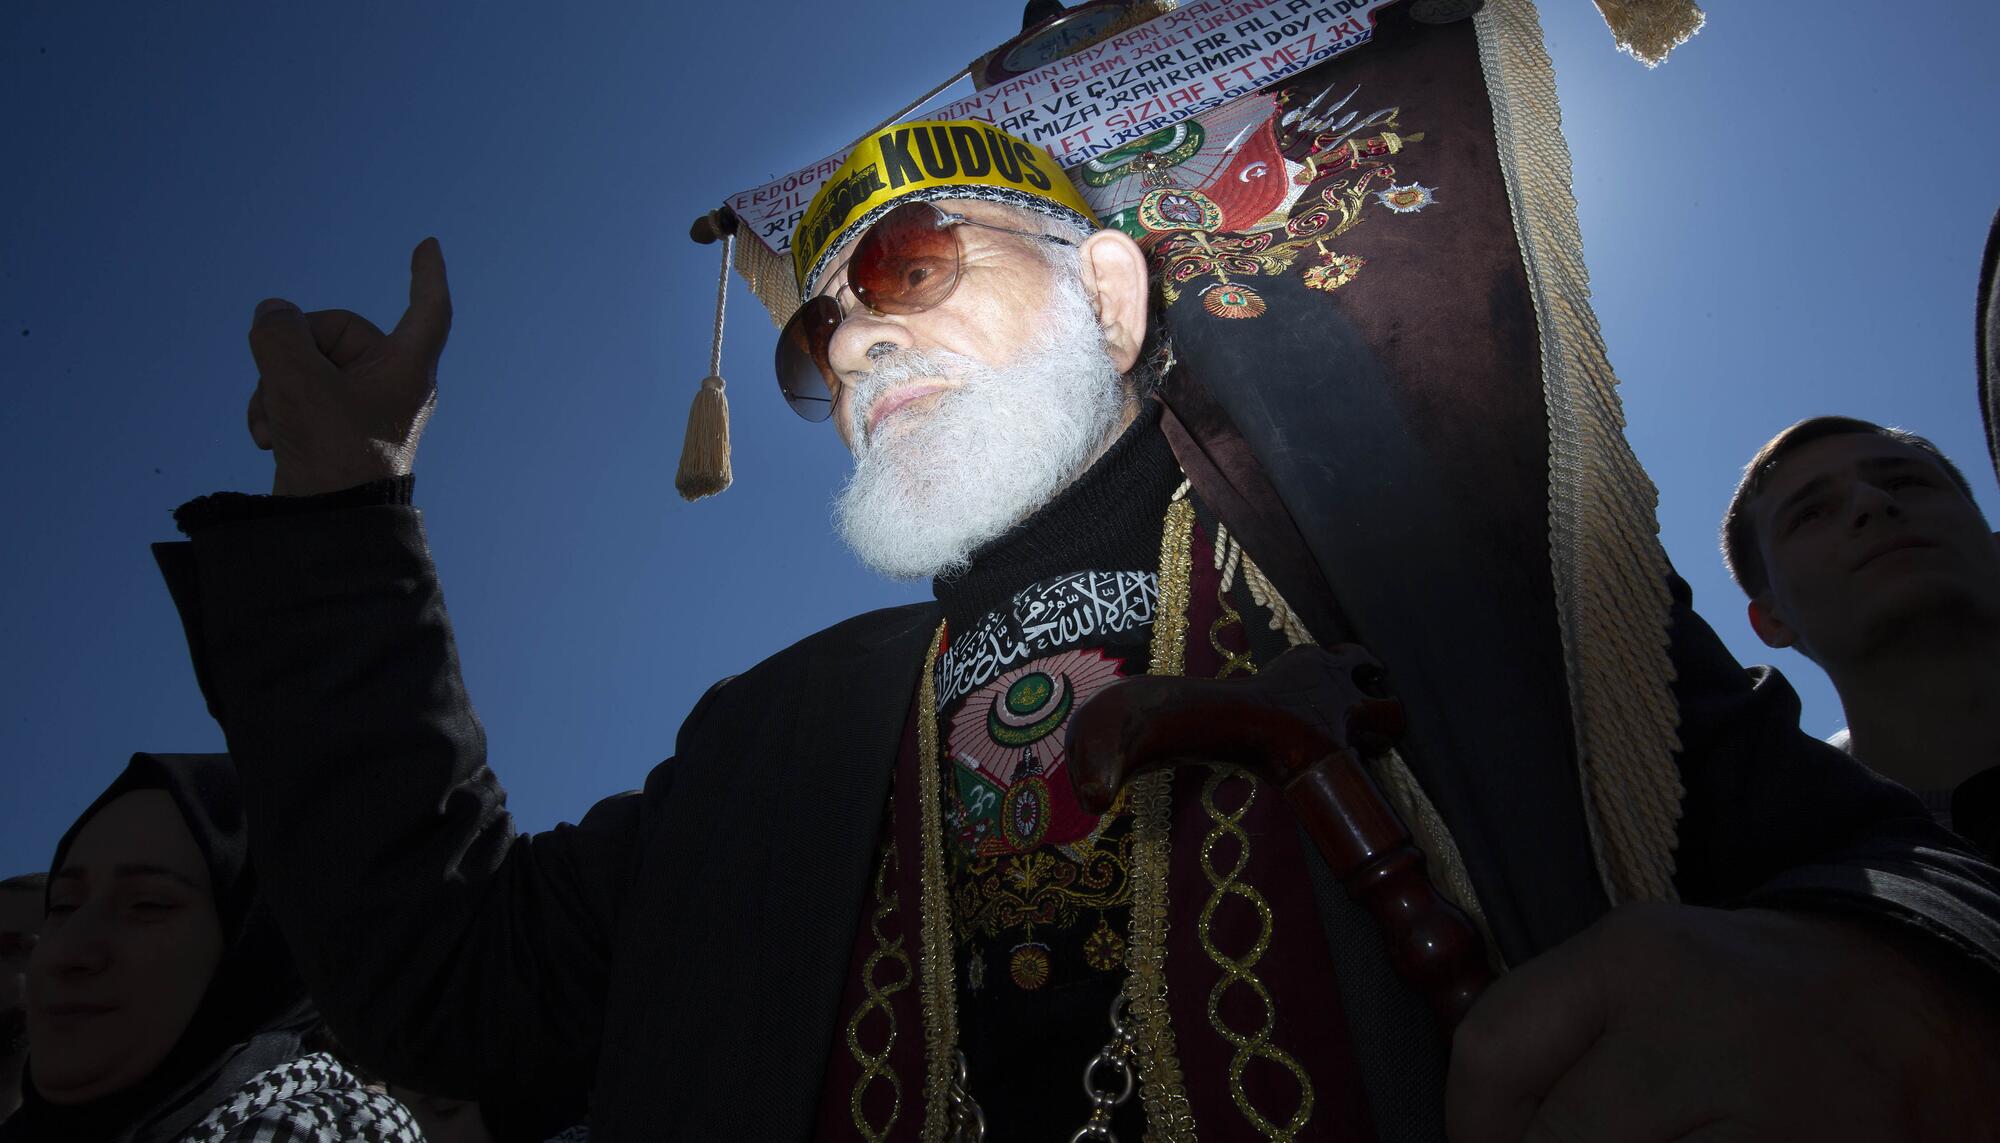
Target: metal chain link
[968, 1122]
[1117, 1059]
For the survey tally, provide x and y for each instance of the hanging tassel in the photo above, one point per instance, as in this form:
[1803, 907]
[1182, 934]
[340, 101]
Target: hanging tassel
[1649, 29]
[704, 467]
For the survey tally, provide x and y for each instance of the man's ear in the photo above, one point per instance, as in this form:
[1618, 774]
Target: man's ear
[1114, 272]
[1768, 626]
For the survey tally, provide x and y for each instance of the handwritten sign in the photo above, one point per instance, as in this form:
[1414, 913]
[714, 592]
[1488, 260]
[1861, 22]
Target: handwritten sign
[1138, 81]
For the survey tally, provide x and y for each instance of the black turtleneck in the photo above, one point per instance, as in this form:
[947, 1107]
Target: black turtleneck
[1044, 617]
[1108, 518]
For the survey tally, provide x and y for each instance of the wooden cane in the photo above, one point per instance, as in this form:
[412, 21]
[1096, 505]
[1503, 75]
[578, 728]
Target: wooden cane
[1302, 723]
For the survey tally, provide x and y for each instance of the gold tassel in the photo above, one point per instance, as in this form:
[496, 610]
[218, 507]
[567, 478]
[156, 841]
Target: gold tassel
[705, 454]
[704, 467]
[1649, 29]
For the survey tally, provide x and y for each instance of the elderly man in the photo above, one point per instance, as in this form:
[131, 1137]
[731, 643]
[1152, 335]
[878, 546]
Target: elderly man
[1861, 548]
[863, 900]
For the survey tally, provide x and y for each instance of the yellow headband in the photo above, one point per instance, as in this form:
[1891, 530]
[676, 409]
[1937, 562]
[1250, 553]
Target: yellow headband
[922, 162]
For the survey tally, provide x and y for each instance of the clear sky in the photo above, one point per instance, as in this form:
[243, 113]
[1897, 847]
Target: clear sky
[1783, 220]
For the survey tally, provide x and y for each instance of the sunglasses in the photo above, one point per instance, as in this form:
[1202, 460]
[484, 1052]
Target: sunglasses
[906, 263]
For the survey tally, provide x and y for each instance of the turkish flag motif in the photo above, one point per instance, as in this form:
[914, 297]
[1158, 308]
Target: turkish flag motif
[1253, 183]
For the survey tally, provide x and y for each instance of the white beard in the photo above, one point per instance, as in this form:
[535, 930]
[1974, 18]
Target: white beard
[932, 486]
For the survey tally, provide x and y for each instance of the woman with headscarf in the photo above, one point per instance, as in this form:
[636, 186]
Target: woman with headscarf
[163, 1006]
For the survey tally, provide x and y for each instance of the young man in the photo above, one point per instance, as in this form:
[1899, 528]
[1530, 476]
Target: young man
[863, 900]
[1861, 547]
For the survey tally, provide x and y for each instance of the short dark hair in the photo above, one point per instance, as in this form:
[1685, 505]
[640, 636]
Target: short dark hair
[1740, 550]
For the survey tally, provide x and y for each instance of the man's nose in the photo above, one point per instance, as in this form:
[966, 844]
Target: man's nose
[1870, 504]
[863, 338]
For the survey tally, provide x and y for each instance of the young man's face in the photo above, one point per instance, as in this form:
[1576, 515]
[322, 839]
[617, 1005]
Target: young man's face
[1863, 539]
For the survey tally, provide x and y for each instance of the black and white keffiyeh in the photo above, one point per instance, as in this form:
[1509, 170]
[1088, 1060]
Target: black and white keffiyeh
[312, 1099]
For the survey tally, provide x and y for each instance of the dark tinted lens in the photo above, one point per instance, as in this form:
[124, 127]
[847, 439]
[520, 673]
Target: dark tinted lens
[907, 262]
[803, 372]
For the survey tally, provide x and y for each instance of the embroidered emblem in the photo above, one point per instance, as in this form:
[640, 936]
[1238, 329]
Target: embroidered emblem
[1408, 198]
[1295, 171]
[1030, 711]
[1151, 156]
[1009, 761]
[1227, 300]
[1171, 208]
[1103, 950]
[1024, 818]
[1335, 272]
[975, 971]
[1030, 966]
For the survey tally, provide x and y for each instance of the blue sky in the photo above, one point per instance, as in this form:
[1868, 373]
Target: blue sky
[1784, 220]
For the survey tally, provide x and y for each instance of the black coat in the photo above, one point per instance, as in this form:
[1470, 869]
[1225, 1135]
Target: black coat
[681, 951]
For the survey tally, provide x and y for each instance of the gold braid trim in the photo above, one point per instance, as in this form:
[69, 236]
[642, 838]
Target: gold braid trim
[1254, 1044]
[1168, 1117]
[940, 994]
[874, 1065]
[1170, 618]
[1611, 576]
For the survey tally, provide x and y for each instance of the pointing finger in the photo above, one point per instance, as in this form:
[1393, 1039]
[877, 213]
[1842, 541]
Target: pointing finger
[280, 341]
[343, 335]
[428, 320]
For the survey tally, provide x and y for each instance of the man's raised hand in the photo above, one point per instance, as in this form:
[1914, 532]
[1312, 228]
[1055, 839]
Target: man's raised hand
[338, 402]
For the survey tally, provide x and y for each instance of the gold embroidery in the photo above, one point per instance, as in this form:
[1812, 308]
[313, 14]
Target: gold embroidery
[1102, 950]
[1232, 661]
[1176, 570]
[1239, 970]
[1039, 889]
[1168, 1116]
[874, 1065]
[939, 992]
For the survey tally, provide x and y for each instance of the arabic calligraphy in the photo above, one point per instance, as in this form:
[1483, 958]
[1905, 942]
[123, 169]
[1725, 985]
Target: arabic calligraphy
[1042, 618]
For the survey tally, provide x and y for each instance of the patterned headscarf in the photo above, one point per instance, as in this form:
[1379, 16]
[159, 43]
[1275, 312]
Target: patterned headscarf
[255, 1010]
